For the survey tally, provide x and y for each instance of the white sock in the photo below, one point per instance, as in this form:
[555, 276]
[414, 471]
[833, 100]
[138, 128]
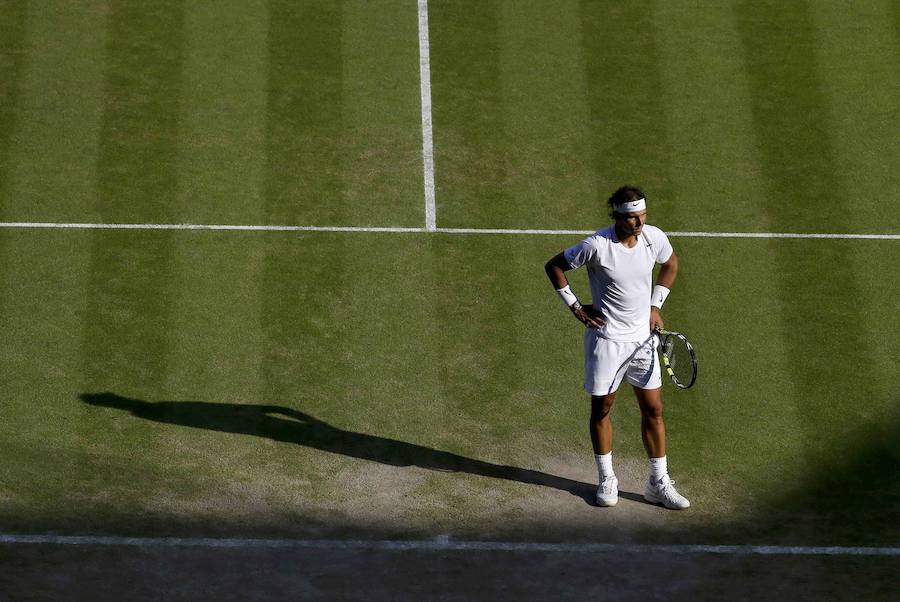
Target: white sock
[658, 469]
[604, 465]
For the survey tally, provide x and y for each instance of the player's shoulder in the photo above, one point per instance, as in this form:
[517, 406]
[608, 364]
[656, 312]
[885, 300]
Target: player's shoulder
[603, 236]
[659, 242]
[589, 247]
[654, 232]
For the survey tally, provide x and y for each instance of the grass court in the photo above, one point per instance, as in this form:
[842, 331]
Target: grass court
[390, 385]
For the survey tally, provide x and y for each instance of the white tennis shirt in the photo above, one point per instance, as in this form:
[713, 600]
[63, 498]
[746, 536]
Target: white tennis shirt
[621, 278]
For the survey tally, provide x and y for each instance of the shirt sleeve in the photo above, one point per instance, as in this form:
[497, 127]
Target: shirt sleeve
[663, 247]
[580, 254]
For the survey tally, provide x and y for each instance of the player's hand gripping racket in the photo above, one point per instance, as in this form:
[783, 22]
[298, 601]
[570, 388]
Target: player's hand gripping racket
[678, 357]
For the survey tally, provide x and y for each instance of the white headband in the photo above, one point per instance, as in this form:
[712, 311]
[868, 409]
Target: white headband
[630, 206]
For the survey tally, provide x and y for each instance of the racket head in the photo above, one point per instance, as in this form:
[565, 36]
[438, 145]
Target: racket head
[679, 358]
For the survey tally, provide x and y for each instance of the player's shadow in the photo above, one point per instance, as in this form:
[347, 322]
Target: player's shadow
[290, 426]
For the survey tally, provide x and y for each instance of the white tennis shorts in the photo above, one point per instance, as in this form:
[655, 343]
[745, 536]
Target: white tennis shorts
[607, 362]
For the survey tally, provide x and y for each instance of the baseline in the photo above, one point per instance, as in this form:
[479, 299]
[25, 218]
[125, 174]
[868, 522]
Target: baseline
[442, 543]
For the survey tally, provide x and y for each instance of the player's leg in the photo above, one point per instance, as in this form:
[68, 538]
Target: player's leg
[605, 363]
[602, 377]
[601, 423]
[653, 427]
[644, 375]
[660, 487]
[601, 440]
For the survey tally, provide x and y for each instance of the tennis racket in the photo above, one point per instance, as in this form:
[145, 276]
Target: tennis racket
[678, 357]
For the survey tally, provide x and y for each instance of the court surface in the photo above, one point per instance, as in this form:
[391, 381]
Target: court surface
[272, 284]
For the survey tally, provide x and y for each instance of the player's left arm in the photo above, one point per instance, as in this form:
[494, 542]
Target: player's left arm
[664, 282]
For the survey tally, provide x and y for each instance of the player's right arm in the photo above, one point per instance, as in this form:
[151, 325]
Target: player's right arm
[556, 270]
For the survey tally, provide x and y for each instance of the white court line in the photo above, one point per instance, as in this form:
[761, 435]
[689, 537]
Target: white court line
[276, 228]
[678, 234]
[781, 235]
[442, 543]
[427, 139]
[273, 228]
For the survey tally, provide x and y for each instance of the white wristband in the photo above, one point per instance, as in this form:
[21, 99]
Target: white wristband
[659, 296]
[567, 296]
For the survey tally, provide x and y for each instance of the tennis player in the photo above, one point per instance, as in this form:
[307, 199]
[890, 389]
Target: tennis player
[618, 341]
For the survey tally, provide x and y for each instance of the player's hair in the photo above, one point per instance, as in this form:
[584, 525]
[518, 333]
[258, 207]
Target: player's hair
[625, 194]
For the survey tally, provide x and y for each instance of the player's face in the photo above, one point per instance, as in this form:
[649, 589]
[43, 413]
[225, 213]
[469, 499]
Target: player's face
[632, 223]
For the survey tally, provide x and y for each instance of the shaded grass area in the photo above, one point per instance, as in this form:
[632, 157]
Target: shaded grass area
[258, 573]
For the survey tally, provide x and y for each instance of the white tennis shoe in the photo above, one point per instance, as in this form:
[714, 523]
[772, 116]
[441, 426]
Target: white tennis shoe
[664, 493]
[608, 492]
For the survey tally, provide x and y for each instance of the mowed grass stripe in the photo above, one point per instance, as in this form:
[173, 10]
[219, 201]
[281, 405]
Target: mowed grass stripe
[55, 152]
[844, 391]
[139, 158]
[859, 67]
[894, 17]
[800, 165]
[791, 117]
[304, 171]
[714, 157]
[467, 111]
[131, 289]
[13, 22]
[382, 148]
[549, 173]
[627, 102]
[222, 119]
[221, 156]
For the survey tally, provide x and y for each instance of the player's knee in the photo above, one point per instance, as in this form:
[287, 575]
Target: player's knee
[601, 406]
[653, 411]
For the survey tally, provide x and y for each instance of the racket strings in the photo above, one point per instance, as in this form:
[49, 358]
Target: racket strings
[680, 359]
